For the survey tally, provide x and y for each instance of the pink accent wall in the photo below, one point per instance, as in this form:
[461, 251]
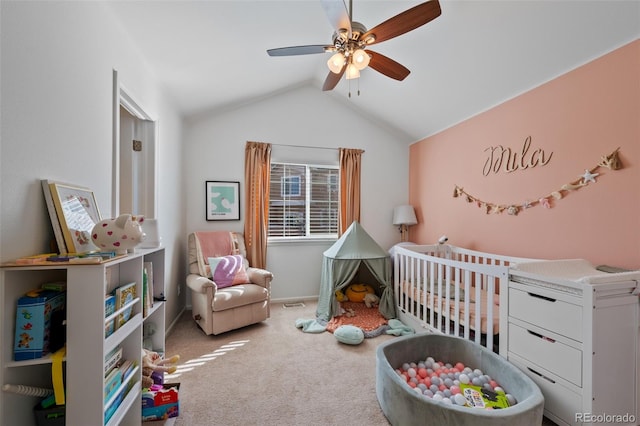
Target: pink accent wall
[579, 117]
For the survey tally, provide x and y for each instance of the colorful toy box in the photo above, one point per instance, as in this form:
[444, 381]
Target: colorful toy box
[162, 403]
[40, 317]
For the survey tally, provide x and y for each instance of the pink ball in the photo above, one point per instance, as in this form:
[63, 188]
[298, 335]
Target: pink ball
[455, 390]
[459, 366]
[422, 372]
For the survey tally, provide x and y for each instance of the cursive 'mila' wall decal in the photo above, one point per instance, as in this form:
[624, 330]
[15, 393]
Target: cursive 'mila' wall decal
[508, 160]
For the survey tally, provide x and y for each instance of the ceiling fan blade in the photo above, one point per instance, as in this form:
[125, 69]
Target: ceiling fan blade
[404, 22]
[387, 66]
[338, 15]
[332, 80]
[297, 50]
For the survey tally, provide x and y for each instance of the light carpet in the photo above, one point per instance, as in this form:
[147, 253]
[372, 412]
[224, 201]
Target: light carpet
[272, 373]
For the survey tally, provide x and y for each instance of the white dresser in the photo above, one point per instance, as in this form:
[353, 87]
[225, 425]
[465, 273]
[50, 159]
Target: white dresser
[576, 332]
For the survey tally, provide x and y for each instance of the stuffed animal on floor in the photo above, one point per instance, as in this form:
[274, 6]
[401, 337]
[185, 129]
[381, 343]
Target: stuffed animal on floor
[371, 300]
[340, 296]
[154, 367]
[349, 312]
[356, 292]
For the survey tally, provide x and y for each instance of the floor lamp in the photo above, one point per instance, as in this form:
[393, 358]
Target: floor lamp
[403, 217]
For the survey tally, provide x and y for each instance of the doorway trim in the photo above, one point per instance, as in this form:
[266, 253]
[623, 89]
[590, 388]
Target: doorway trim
[122, 98]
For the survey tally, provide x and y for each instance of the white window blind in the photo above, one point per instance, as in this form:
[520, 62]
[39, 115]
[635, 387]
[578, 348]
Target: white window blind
[303, 201]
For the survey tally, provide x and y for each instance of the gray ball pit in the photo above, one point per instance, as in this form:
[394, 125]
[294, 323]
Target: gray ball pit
[404, 407]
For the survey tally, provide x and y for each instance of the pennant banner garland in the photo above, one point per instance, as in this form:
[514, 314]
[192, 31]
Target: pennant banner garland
[610, 162]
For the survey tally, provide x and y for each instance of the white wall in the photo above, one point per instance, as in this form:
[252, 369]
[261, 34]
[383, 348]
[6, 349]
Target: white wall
[56, 83]
[214, 150]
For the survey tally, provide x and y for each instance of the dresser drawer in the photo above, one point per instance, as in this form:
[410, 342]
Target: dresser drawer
[547, 312]
[559, 400]
[549, 354]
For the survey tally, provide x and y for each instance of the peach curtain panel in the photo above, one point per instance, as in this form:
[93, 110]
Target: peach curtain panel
[257, 173]
[350, 170]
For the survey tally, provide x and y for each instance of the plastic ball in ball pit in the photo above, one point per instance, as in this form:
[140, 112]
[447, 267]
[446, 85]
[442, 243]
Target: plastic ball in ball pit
[475, 389]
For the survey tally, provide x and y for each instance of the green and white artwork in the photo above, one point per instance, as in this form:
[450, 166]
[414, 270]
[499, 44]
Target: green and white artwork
[223, 200]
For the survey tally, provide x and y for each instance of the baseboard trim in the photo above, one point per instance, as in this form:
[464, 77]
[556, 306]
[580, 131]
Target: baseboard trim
[294, 299]
[173, 323]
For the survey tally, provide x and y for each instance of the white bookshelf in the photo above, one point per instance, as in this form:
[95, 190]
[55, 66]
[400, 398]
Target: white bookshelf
[86, 345]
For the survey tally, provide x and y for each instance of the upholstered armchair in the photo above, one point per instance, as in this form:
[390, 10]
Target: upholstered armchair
[233, 295]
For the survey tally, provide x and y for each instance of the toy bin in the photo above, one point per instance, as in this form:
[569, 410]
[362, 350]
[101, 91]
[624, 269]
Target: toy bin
[161, 404]
[40, 316]
[403, 406]
[50, 416]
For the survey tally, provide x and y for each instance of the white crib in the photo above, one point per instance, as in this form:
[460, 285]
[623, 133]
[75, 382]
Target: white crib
[452, 290]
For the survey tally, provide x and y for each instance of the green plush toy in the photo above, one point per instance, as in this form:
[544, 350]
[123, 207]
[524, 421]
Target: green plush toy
[349, 334]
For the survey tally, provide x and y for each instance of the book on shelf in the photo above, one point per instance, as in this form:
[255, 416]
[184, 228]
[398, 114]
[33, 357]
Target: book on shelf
[145, 292]
[114, 390]
[126, 367]
[124, 295]
[147, 301]
[55, 285]
[112, 382]
[109, 309]
[112, 359]
[120, 374]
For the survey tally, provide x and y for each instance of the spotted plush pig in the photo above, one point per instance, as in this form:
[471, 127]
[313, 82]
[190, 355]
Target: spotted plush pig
[121, 234]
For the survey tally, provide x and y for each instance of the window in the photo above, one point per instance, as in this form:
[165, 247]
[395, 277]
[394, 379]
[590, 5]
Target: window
[290, 186]
[303, 201]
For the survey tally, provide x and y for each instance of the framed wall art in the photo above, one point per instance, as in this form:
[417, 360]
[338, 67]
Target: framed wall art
[223, 200]
[77, 213]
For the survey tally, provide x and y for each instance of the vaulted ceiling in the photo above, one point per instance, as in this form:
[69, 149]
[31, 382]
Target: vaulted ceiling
[211, 55]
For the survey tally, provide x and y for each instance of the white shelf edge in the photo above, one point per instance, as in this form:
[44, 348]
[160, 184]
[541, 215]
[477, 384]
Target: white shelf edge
[122, 332]
[126, 404]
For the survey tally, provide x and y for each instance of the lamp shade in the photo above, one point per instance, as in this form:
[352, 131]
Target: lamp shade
[404, 215]
[360, 59]
[352, 72]
[336, 62]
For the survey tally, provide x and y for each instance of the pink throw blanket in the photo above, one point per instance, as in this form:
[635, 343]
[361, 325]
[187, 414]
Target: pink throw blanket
[215, 244]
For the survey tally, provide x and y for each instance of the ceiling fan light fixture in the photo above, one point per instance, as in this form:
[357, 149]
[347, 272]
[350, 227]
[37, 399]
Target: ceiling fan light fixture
[352, 72]
[336, 62]
[360, 59]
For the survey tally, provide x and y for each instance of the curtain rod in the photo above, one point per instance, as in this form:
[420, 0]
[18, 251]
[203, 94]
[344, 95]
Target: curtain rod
[306, 146]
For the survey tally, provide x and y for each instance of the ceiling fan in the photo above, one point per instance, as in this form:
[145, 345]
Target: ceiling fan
[351, 40]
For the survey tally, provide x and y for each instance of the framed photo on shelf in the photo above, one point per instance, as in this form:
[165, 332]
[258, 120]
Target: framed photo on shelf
[223, 200]
[77, 213]
[53, 216]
